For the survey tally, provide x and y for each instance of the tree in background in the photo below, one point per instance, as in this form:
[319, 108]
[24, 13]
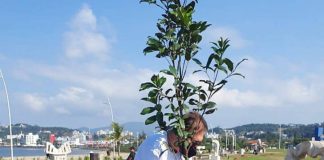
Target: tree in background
[117, 134]
[176, 41]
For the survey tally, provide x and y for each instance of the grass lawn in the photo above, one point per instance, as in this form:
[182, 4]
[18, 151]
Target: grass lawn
[269, 155]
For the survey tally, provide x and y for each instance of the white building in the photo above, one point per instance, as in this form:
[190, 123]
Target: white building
[31, 140]
[102, 132]
[78, 138]
[13, 136]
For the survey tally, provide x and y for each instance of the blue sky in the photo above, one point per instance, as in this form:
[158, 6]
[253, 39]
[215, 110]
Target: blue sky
[62, 59]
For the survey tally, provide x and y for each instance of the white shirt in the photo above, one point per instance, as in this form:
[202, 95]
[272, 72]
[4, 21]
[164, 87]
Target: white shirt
[156, 147]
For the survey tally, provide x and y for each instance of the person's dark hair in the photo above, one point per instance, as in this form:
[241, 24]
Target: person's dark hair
[195, 122]
[132, 148]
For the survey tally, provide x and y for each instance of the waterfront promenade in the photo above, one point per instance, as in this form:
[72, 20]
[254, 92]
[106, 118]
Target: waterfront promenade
[102, 156]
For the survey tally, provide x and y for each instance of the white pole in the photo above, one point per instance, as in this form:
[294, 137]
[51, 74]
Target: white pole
[9, 113]
[279, 135]
[112, 120]
[136, 139]
[112, 113]
[233, 141]
[226, 140]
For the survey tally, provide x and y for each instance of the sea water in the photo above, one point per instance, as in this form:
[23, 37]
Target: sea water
[23, 151]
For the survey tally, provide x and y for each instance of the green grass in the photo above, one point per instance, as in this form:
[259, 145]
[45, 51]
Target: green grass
[269, 155]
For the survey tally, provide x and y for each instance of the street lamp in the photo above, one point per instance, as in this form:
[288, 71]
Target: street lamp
[112, 114]
[9, 113]
[112, 120]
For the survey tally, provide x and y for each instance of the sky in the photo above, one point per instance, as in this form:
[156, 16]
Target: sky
[62, 60]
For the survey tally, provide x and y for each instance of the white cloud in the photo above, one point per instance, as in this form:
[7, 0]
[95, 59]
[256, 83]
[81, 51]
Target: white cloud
[62, 110]
[213, 33]
[295, 91]
[34, 102]
[264, 86]
[84, 39]
[91, 86]
[74, 96]
[237, 98]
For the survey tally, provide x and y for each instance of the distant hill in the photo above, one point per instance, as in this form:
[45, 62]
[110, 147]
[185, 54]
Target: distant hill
[35, 129]
[291, 130]
[248, 130]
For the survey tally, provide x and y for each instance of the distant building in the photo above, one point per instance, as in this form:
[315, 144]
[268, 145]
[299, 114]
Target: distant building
[319, 134]
[31, 140]
[78, 138]
[52, 138]
[61, 140]
[101, 132]
[127, 133]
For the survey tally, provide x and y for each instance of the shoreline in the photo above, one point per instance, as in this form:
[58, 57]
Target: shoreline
[102, 156]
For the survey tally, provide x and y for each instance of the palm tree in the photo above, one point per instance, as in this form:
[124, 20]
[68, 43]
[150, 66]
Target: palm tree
[117, 134]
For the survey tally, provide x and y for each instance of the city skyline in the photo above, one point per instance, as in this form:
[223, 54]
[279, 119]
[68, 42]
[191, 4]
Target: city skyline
[62, 61]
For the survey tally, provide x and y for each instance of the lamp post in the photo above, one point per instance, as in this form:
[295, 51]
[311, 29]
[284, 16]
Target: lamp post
[9, 113]
[112, 120]
[279, 135]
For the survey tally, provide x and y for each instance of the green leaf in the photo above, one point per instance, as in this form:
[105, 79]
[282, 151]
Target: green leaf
[182, 123]
[197, 61]
[229, 64]
[161, 81]
[155, 78]
[166, 72]
[196, 71]
[159, 117]
[158, 107]
[208, 105]
[146, 85]
[150, 120]
[150, 99]
[188, 56]
[153, 93]
[147, 110]
[238, 74]
[222, 82]
[159, 35]
[173, 70]
[203, 92]
[167, 92]
[190, 5]
[160, 28]
[173, 6]
[202, 97]
[211, 57]
[153, 42]
[148, 1]
[180, 132]
[210, 111]
[188, 85]
[193, 101]
[221, 68]
[170, 115]
[149, 49]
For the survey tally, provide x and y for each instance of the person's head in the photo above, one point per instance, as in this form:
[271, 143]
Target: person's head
[196, 124]
[132, 149]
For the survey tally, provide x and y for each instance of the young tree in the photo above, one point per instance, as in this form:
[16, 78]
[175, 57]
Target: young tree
[176, 41]
[117, 134]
